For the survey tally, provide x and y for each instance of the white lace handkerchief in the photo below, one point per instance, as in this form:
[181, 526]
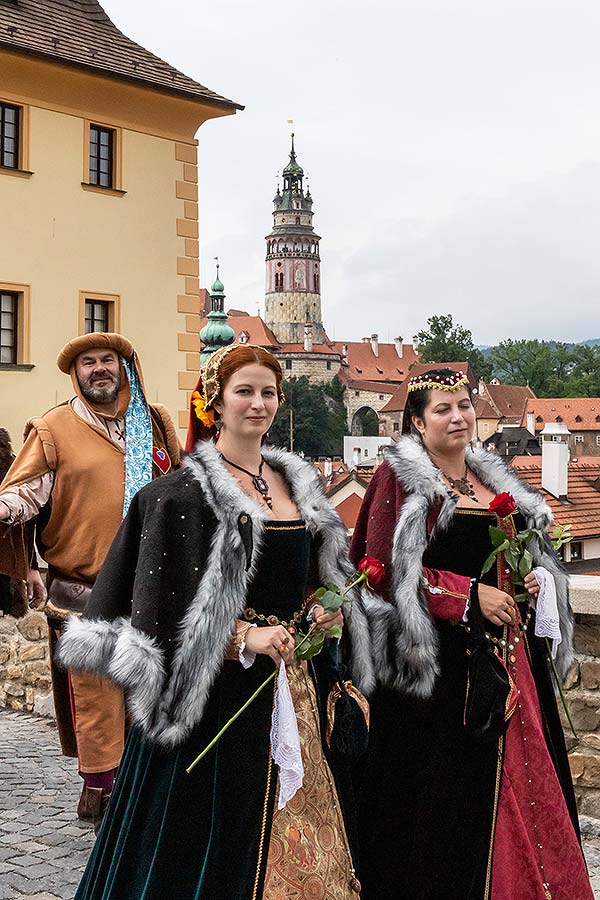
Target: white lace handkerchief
[285, 740]
[547, 622]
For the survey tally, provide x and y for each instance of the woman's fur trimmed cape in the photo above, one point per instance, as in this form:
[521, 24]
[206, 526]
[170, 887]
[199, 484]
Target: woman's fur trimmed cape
[175, 580]
[403, 634]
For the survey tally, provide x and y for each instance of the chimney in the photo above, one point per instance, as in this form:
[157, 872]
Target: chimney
[328, 467]
[481, 387]
[355, 458]
[375, 344]
[308, 337]
[366, 340]
[555, 459]
[399, 342]
[345, 351]
[531, 422]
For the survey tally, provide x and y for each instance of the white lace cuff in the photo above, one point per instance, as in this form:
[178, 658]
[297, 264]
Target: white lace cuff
[246, 657]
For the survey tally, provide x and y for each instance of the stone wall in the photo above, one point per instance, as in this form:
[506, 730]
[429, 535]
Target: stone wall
[24, 664]
[583, 698]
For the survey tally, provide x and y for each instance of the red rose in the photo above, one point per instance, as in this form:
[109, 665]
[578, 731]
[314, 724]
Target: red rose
[373, 569]
[503, 505]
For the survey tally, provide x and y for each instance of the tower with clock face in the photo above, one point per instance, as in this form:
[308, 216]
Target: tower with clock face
[293, 270]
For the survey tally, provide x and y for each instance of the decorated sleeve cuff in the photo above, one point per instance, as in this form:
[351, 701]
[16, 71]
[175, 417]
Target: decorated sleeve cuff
[447, 594]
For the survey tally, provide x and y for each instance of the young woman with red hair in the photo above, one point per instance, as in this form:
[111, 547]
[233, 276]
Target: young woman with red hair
[204, 589]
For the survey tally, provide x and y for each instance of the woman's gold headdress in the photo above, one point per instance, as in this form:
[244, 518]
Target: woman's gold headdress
[450, 381]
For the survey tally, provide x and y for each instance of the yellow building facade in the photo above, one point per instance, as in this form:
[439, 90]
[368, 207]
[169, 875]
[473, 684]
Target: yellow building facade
[99, 226]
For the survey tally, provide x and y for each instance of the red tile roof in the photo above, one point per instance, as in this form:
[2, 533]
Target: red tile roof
[510, 400]
[387, 366]
[376, 387]
[79, 32]
[582, 510]
[349, 509]
[255, 328]
[484, 409]
[569, 409]
[398, 401]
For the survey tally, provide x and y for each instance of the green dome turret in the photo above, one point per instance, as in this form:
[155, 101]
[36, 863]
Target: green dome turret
[217, 332]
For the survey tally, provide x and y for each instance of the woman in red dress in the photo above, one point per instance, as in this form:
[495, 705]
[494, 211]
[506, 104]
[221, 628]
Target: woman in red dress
[447, 814]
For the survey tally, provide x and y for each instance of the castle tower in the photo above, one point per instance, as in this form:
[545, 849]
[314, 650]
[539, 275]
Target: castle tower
[293, 283]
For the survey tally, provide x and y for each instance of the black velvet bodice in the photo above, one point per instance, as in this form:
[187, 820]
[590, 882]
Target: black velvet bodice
[279, 585]
[465, 545]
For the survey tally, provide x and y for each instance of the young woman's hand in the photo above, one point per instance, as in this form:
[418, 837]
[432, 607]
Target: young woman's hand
[324, 620]
[271, 640]
[496, 606]
[531, 585]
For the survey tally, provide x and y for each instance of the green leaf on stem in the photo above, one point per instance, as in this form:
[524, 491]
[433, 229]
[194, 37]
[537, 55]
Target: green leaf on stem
[334, 632]
[330, 601]
[310, 644]
[497, 535]
[525, 563]
[489, 562]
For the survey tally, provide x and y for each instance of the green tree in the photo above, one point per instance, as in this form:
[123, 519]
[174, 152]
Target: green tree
[585, 373]
[546, 367]
[443, 341]
[318, 417]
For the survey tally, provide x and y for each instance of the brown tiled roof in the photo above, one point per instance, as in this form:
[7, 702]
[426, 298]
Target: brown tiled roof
[398, 401]
[568, 409]
[484, 409]
[255, 328]
[375, 387]
[583, 509]
[79, 33]
[387, 366]
[509, 400]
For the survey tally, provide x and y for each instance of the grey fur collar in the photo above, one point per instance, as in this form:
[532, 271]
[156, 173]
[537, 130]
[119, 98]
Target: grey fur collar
[168, 707]
[415, 667]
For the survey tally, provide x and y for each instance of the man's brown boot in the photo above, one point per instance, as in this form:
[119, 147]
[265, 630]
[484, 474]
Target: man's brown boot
[92, 806]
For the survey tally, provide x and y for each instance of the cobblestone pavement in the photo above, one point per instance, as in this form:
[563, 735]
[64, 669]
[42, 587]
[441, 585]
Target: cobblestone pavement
[43, 846]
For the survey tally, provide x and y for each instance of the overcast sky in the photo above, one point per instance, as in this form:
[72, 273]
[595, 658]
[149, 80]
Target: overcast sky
[453, 150]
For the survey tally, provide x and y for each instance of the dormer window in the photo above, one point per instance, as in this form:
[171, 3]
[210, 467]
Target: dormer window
[578, 419]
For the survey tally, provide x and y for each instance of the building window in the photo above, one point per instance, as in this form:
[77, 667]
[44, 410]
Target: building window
[96, 316]
[98, 312]
[486, 426]
[14, 324]
[357, 393]
[329, 365]
[396, 426]
[278, 281]
[579, 439]
[102, 155]
[297, 220]
[576, 550]
[288, 365]
[598, 440]
[9, 325]
[9, 136]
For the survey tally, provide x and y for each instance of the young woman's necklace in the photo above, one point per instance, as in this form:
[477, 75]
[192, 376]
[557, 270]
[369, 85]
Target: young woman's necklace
[259, 483]
[462, 485]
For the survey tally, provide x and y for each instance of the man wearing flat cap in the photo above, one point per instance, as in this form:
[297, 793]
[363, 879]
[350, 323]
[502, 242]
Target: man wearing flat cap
[80, 466]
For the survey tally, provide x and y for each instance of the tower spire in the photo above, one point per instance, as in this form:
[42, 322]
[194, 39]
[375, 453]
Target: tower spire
[217, 332]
